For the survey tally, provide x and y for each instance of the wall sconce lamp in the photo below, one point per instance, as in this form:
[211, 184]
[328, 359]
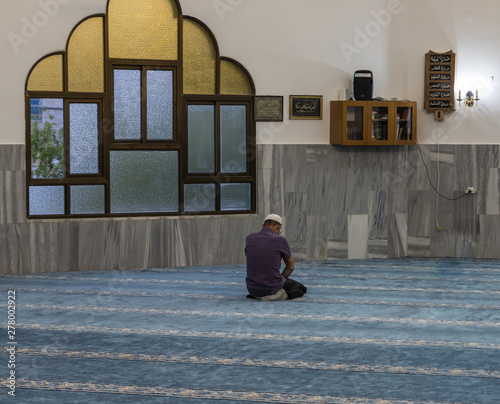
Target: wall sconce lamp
[469, 100]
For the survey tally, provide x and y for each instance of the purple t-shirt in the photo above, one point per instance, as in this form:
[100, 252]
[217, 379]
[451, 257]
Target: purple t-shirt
[264, 251]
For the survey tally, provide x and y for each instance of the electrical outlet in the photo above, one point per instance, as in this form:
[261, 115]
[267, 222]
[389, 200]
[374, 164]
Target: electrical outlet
[470, 190]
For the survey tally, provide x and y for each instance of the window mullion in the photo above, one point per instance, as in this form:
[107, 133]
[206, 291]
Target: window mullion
[144, 109]
[217, 143]
[217, 156]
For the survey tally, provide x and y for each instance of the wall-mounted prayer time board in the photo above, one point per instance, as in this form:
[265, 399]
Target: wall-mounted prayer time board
[439, 81]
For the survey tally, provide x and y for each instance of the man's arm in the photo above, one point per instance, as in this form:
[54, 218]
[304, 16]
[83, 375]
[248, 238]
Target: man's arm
[289, 267]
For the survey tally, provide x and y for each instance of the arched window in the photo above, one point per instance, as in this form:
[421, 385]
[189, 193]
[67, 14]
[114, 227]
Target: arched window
[140, 115]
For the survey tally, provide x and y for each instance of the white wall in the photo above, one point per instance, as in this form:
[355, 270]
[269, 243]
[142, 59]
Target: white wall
[300, 47]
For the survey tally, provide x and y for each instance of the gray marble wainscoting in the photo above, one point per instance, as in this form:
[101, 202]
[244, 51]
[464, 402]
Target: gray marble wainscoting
[337, 202]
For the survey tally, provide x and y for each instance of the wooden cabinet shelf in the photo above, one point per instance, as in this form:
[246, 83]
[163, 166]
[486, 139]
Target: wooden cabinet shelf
[373, 122]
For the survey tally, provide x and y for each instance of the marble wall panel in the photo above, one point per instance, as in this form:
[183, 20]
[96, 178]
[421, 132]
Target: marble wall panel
[13, 197]
[419, 247]
[156, 253]
[264, 190]
[3, 195]
[337, 209]
[467, 169]
[318, 194]
[377, 214]
[317, 156]
[323, 192]
[488, 244]
[337, 249]
[400, 175]
[336, 201]
[421, 213]
[378, 247]
[316, 242]
[443, 242]
[338, 158]
[270, 184]
[397, 243]
[358, 187]
[133, 245]
[265, 157]
[12, 157]
[44, 246]
[294, 163]
[15, 249]
[357, 236]
[207, 238]
[487, 157]
[68, 245]
[174, 246]
[466, 220]
[492, 187]
[465, 245]
[296, 216]
[418, 163]
[97, 245]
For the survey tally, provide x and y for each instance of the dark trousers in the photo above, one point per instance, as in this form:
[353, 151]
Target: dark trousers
[294, 289]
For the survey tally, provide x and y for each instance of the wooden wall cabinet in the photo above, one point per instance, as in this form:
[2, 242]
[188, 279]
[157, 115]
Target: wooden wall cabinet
[367, 123]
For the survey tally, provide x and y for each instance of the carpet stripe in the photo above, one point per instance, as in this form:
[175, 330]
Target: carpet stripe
[202, 394]
[255, 336]
[357, 288]
[226, 297]
[202, 360]
[419, 321]
[299, 273]
[344, 267]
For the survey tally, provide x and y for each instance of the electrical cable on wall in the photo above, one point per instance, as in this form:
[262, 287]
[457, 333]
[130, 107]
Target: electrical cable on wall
[438, 227]
[436, 189]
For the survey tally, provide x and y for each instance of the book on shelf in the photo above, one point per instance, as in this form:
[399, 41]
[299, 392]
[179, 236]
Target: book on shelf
[379, 131]
[403, 132]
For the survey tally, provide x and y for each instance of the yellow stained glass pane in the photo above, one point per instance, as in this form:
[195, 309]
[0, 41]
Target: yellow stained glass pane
[86, 57]
[47, 75]
[145, 29]
[233, 80]
[199, 59]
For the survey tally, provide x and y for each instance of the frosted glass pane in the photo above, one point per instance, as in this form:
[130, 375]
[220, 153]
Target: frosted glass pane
[233, 80]
[47, 200]
[199, 197]
[160, 104]
[87, 199]
[86, 56]
[235, 196]
[233, 140]
[127, 104]
[145, 29]
[47, 75]
[47, 138]
[201, 128]
[83, 139]
[199, 59]
[144, 181]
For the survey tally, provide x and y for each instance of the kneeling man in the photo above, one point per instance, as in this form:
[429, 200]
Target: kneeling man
[264, 251]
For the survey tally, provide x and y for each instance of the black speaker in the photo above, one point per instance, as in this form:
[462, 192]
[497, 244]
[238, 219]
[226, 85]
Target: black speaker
[363, 85]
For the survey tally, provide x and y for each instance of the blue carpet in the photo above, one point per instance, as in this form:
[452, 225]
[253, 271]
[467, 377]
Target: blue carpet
[367, 332]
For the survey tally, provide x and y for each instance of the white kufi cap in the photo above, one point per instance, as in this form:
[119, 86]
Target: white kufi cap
[274, 217]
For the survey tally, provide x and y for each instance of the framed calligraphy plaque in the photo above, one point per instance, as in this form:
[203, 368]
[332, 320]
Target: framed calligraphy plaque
[268, 108]
[306, 107]
[439, 91]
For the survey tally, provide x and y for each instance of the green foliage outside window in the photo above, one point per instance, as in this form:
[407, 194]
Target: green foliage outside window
[47, 150]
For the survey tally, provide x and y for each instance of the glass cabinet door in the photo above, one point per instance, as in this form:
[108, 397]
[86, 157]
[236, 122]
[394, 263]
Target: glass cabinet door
[355, 123]
[380, 123]
[404, 124]
[375, 123]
